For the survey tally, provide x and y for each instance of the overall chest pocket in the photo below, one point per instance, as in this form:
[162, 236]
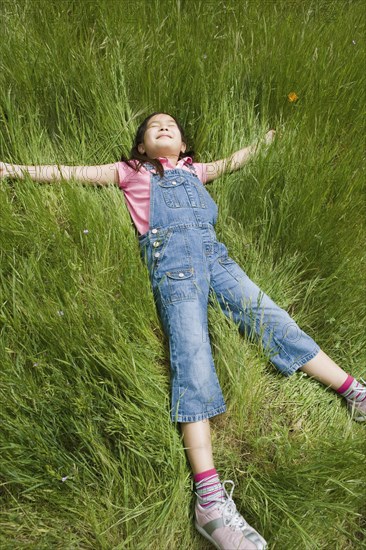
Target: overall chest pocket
[183, 192]
[173, 191]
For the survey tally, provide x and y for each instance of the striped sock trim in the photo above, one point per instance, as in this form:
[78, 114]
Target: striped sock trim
[202, 475]
[209, 490]
[345, 384]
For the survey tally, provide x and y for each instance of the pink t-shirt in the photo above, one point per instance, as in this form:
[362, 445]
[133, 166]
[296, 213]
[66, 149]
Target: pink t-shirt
[136, 187]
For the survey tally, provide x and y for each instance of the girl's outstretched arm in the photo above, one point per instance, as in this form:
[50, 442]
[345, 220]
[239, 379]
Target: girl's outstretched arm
[103, 174]
[237, 159]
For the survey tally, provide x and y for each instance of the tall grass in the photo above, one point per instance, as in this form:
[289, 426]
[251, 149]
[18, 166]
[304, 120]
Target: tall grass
[89, 457]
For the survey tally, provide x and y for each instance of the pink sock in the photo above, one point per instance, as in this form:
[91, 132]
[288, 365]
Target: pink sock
[199, 477]
[208, 488]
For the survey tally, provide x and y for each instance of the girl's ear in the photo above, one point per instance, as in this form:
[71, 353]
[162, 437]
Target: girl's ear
[183, 148]
[141, 149]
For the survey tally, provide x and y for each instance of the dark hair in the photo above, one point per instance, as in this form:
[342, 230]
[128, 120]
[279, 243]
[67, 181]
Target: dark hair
[142, 158]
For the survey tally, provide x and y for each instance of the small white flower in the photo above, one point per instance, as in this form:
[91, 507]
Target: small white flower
[60, 312]
[86, 231]
[64, 478]
[353, 41]
[35, 364]
[205, 56]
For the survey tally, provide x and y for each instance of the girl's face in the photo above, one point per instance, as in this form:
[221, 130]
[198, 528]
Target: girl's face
[162, 137]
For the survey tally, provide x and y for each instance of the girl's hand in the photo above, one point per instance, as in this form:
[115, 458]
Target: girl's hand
[269, 137]
[2, 170]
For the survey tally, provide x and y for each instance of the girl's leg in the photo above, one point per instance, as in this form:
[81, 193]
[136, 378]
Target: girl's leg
[197, 443]
[216, 517]
[288, 347]
[325, 370]
[258, 317]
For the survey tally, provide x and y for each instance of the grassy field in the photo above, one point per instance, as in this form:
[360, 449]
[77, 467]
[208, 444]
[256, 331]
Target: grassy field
[89, 457]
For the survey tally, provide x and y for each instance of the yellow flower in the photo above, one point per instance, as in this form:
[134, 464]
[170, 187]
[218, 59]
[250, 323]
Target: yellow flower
[292, 96]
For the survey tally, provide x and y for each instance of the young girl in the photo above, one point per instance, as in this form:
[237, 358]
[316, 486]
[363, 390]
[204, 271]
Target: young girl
[175, 216]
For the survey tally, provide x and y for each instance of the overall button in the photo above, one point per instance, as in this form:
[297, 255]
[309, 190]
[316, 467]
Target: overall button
[181, 274]
[174, 183]
[156, 243]
[157, 254]
[154, 231]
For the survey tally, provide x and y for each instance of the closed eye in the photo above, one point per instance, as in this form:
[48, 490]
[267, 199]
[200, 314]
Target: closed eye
[157, 124]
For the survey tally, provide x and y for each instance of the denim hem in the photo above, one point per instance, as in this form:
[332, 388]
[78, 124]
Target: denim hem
[296, 366]
[198, 417]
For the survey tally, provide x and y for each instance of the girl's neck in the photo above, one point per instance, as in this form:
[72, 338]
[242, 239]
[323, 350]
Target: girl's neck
[173, 159]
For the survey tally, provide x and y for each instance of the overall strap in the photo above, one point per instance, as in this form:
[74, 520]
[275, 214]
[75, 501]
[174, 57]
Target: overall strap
[191, 168]
[150, 167]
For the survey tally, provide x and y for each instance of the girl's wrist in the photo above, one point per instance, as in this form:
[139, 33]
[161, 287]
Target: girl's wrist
[9, 170]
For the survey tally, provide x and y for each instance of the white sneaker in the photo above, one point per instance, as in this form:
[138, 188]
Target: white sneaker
[224, 527]
[358, 408]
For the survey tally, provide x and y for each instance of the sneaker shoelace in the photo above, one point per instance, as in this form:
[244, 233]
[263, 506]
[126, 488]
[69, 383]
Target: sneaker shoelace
[364, 383]
[360, 390]
[230, 515]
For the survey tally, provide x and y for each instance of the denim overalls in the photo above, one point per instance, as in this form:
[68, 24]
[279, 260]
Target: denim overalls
[186, 265]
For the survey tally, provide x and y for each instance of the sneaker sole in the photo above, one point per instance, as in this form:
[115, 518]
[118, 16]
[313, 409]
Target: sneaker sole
[359, 418]
[353, 412]
[212, 541]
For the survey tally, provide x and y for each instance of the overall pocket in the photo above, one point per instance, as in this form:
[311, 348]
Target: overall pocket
[173, 191]
[176, 286]
[181, 285]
